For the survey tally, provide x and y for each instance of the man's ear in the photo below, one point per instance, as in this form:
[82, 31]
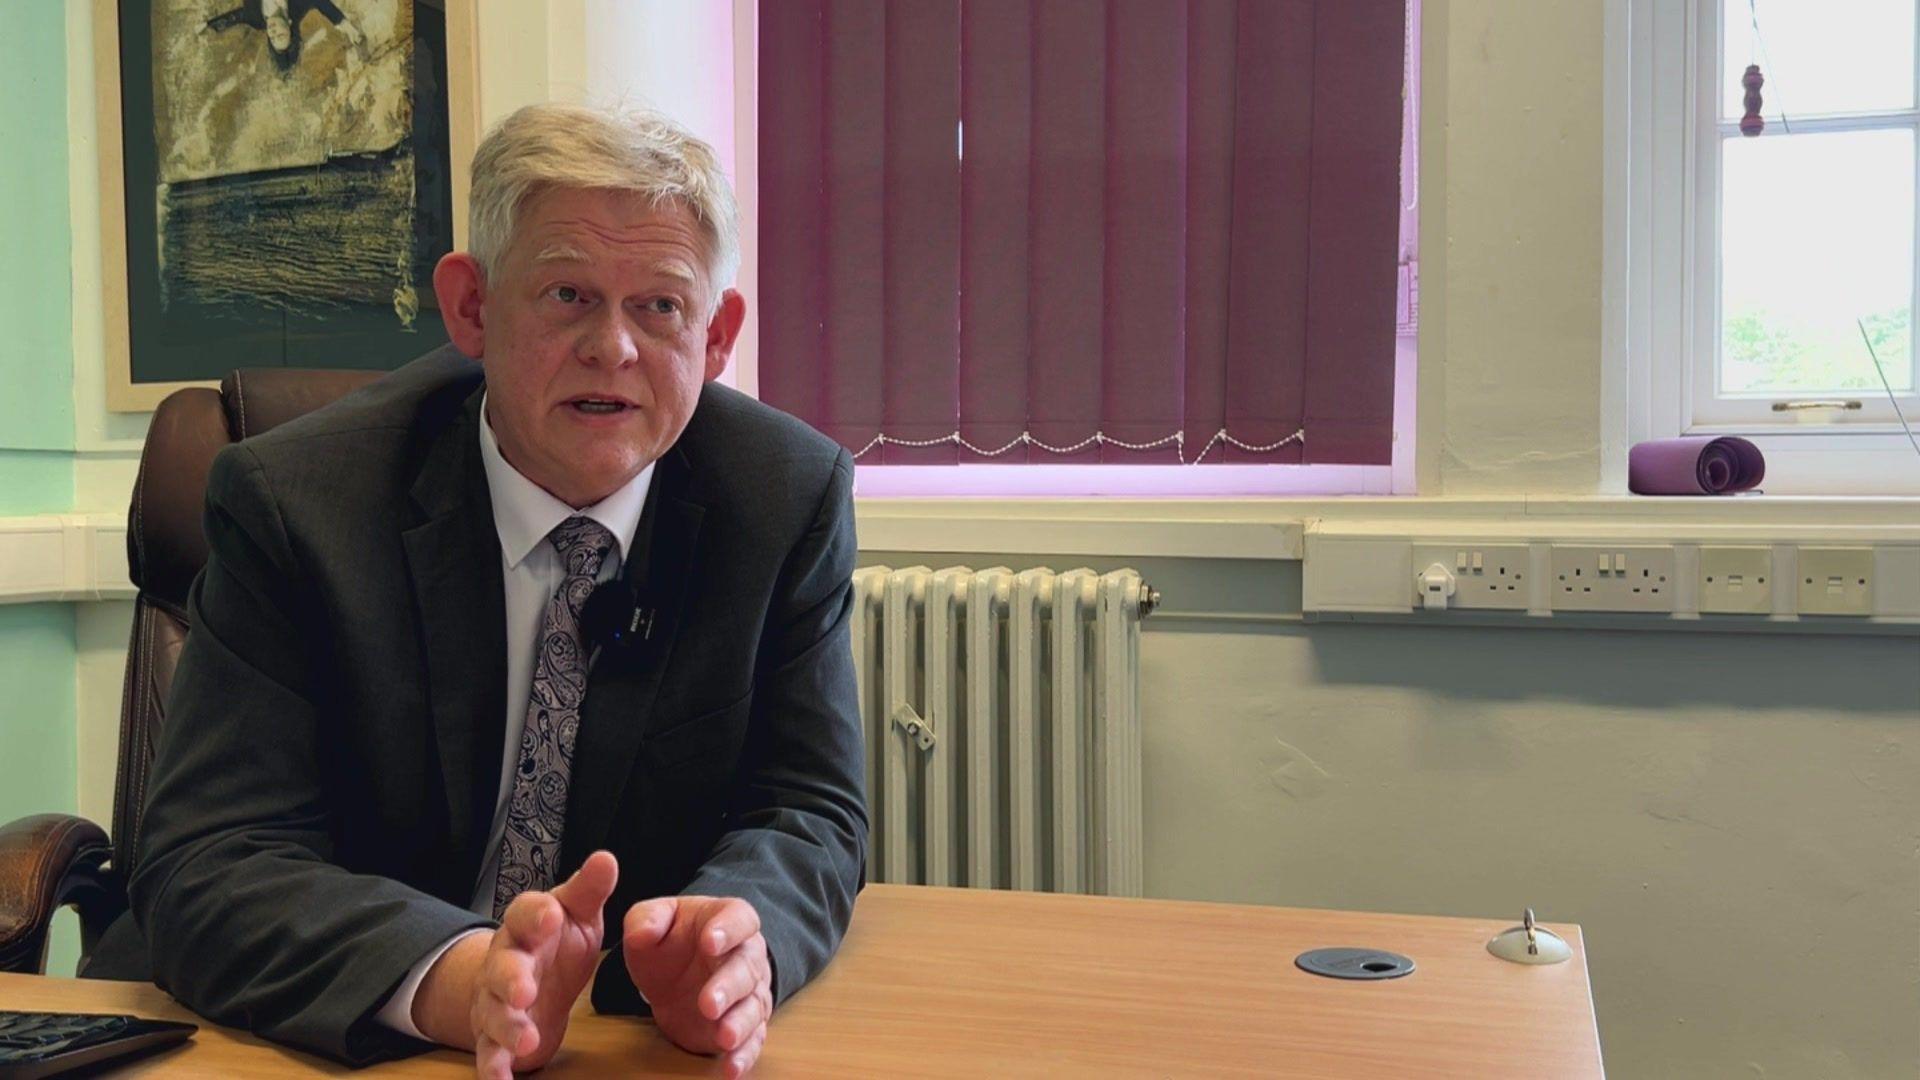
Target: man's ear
[729, 315]
[462, 288]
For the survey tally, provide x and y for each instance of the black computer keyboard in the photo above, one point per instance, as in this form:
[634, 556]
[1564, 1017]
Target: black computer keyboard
[39, 1044]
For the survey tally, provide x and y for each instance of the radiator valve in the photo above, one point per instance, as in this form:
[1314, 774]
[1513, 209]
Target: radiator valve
[1149, 599]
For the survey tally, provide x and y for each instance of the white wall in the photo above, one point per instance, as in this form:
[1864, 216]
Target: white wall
[671, 55]
[1511, 211]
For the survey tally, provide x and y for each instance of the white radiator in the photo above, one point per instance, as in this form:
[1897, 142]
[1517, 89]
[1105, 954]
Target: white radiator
[1002, 716]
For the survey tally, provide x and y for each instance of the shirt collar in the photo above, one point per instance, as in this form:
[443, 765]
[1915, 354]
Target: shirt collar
[524, 512]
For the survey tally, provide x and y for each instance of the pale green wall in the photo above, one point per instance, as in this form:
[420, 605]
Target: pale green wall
[31, 481]
[36, 292]
[38, 723]
[36, 295]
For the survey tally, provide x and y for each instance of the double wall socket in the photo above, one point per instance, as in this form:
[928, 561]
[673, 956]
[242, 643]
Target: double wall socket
[1611, 578]
[1487, 577]
[1836, 581]
[1736, 580]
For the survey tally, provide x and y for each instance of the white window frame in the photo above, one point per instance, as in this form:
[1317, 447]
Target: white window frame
[1663, 191]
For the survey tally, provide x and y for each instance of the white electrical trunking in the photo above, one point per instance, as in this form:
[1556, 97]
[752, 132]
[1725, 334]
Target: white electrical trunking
[1732, 577]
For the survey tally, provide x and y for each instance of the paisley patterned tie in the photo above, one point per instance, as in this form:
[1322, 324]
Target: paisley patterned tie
[537, 809]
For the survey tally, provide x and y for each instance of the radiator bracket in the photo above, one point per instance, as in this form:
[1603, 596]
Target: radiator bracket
[916, 728]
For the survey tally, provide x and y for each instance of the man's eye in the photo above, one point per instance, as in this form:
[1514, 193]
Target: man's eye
[566, 294]
[663, 306]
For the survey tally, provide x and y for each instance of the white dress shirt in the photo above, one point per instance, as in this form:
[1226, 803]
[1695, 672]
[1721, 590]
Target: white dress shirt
[523, 514]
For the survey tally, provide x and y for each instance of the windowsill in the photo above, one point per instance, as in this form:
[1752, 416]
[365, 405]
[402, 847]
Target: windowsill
[1275, 528]
[1875, 434]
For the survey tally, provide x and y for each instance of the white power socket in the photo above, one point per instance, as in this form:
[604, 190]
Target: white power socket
[1736, 580]
[1611, 579]
[1487, 577]
[1836, 581]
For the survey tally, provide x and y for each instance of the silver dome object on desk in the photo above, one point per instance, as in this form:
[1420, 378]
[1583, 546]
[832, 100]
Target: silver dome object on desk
[1530, 943]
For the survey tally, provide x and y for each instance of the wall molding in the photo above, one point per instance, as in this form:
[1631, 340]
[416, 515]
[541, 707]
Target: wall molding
[1254, 528]
[82, 556]
[64, 557]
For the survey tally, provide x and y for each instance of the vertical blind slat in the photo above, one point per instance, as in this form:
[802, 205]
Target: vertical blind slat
[792, 227]
[921, 298]
[1356, 124]
[1267, 293]
[996, 86]
[1142, 388]
[1209, 240]
[853, 378]
[1068, 224]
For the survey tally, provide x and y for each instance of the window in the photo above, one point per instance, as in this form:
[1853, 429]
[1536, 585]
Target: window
[1772, 272]
[1816, 224]
[1155, 235]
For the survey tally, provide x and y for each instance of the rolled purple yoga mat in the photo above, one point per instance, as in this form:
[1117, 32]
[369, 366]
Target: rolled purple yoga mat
[1695, 465]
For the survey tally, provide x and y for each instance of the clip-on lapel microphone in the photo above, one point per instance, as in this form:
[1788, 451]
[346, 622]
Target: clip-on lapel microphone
[619, 614]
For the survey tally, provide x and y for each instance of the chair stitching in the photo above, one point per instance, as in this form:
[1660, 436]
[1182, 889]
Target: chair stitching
[140, 751]
[240, 398]
[140, 514]
[136, 737]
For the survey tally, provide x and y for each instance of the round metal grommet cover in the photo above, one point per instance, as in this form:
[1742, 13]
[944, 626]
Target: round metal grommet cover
[1349, 963]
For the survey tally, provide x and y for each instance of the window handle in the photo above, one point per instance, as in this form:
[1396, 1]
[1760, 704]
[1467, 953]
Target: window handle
[1799, 406]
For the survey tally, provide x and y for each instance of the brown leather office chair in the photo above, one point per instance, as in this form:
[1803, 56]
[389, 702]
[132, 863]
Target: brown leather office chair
[50, 861]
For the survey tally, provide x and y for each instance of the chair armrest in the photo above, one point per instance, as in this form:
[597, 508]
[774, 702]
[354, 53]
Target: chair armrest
[46, 862]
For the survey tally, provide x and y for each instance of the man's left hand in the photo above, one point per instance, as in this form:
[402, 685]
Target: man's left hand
[702, 964]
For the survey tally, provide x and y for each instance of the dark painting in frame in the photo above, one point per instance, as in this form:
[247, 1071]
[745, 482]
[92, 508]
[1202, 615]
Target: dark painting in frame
[281, 182]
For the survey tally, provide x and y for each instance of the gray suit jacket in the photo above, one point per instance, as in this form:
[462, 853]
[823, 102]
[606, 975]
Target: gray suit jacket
[323, 788]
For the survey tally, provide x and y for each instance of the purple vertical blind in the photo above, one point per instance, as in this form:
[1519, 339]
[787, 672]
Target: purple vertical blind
[1081, 231]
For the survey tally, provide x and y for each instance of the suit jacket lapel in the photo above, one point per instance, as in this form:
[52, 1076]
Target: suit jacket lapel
[623, 683]
[453, 557]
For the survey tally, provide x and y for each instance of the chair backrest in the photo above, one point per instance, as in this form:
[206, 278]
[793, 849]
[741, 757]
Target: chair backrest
[166, 546]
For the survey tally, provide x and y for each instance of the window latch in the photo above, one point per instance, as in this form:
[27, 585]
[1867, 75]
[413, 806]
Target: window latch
[1802, 406]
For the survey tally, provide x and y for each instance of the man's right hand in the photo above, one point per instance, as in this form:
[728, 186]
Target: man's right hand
[508, 995]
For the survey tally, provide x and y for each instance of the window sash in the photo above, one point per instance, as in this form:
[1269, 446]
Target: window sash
[1704, 407]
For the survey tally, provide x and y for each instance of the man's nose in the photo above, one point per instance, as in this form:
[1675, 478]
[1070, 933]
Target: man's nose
[608, 341]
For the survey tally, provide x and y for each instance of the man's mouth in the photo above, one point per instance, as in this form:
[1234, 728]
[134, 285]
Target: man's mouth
[600, 406]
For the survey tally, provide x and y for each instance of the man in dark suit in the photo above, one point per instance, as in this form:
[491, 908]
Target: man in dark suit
[489, 659]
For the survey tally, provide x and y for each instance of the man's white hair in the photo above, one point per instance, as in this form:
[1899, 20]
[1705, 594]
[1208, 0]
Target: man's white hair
[577, 146]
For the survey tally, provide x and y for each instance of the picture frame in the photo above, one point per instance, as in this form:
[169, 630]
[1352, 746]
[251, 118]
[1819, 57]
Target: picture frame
[125, 391]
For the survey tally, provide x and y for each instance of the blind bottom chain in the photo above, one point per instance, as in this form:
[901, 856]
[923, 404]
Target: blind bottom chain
[1178, 440]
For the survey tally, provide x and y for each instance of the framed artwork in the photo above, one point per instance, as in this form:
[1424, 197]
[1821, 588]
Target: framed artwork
[278, 179]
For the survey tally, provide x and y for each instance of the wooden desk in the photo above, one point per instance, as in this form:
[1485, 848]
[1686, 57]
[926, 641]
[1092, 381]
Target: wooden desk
[953, 982]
